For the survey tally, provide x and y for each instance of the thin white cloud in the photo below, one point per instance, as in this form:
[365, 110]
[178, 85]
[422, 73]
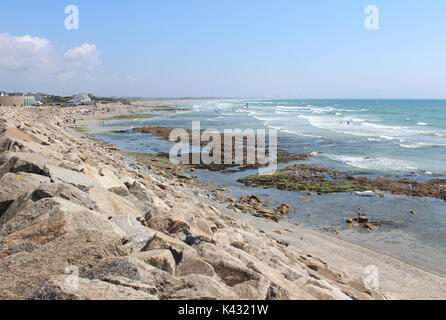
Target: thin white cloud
[33, 56]
[21, 53]
[33, 64]
[85, 56]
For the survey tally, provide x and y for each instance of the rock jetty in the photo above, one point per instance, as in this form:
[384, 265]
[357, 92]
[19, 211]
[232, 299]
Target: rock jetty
[78, 222]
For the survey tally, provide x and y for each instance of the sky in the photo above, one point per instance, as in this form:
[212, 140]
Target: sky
[231, 48]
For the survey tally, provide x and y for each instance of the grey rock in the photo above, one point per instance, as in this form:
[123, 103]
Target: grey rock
[79, 180]
[22, 162]
[64, 191]
[192, 264]
[161, 259]
[134, 269]
[62, 288]
[205, 288]
[137, 235]
[22, 273]
[14, 185]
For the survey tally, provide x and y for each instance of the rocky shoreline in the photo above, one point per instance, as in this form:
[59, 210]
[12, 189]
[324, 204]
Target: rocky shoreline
[311, 178]
[128, 233]
[164, 134]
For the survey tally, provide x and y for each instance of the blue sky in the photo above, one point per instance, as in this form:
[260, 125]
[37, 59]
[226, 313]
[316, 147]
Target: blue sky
[283, 49]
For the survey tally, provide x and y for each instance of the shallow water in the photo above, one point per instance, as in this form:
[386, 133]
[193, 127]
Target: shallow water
[419, 239]
[374, 143]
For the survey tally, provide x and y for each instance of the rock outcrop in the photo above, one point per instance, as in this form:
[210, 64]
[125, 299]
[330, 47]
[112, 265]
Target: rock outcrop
[78, 222]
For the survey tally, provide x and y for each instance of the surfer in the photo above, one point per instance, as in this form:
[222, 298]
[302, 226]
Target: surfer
[247, 106]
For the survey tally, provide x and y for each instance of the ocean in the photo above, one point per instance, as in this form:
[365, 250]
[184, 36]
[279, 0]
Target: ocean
[392, 138]
[405, 136]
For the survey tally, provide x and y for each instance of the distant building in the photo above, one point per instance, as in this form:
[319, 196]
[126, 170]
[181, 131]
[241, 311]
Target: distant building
[16, 99]
[39, 97]
[79, 99]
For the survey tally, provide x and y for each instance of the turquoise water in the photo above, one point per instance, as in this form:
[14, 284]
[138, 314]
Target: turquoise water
[383, 136]
[397, 138]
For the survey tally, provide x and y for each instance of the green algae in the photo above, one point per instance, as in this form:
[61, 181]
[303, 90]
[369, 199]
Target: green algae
[286, 180]
[131, 117]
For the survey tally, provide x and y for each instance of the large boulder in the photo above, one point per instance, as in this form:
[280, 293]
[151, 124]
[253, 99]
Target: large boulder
[15, 139]
[107, 179]
[322, 290]
[54, 222]
[204, 288]
[22, 162]
[168, 287]
[64, 288]
[137, 270]
[28, 216]
[161, 259]
[136, 235]
[192, 264]
[23, 272]
[113, 205]
[163, 241]
[65, 191]
[62, 175]
[138, 190]
[14, 185]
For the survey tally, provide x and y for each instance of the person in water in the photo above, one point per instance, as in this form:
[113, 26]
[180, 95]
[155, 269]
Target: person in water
[247, 105]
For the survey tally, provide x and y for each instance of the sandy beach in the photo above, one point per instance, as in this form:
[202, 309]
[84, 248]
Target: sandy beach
[398, 278]
[223, 158]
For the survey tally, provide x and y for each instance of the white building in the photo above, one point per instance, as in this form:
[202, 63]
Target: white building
[79, 99]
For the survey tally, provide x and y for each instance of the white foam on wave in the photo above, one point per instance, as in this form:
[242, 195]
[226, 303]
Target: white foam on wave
[267, 119]
[421, 145]
[292, 108]
[388, 138]
[215, 119]
[422, 124]
[409, 146]
[324, 110]
[333, 125]
[286, 130]
[370, 163]
[361, 127]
